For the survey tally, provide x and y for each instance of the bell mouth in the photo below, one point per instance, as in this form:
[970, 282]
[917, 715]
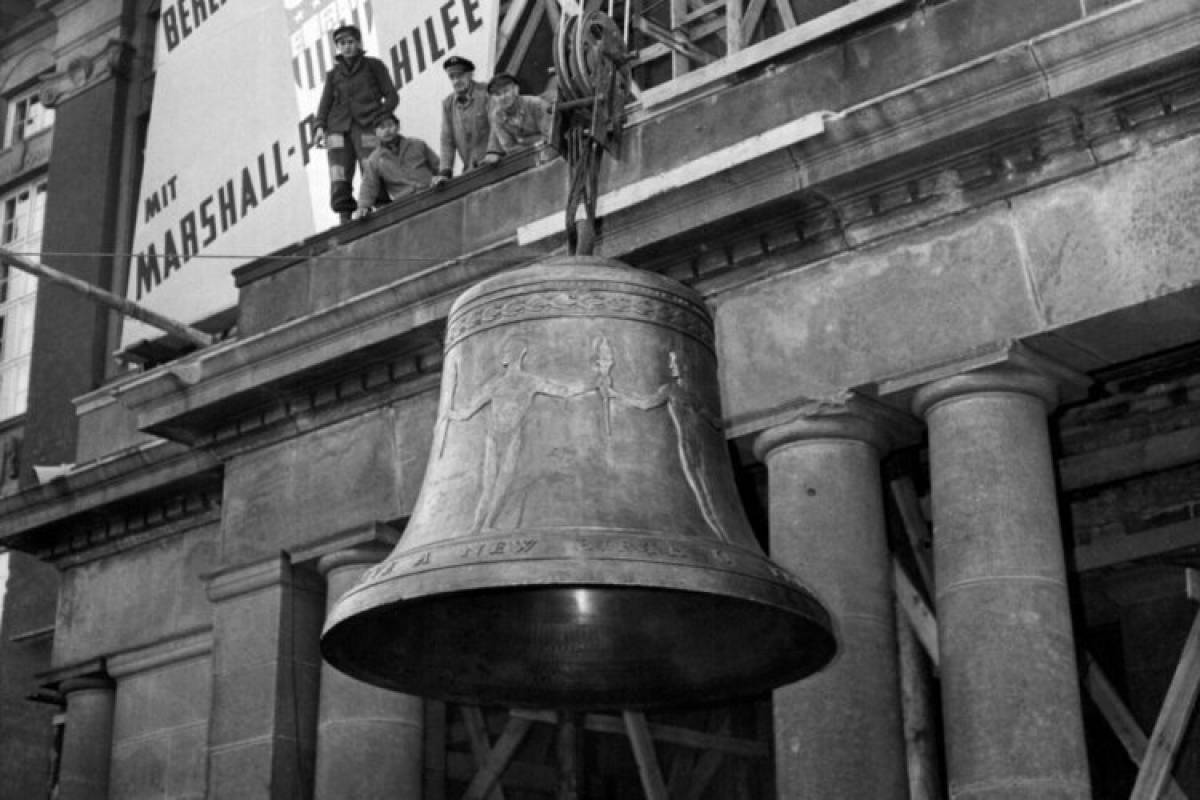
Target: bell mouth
[583, 647]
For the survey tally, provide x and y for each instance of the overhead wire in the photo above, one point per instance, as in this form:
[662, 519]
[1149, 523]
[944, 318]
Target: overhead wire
[285, 256]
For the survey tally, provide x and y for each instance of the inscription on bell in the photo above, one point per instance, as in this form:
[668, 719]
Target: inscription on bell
[511, 547]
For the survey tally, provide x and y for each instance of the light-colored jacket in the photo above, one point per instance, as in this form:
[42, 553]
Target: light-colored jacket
[401, 170]
[526, 122]
[465, 129]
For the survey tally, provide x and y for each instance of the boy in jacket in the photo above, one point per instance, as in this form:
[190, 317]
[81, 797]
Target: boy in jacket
[400, 166]
[357, 91]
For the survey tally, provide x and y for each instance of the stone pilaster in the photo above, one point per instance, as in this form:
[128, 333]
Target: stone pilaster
[266, 667]
[1010, 692]
[370, 741]
[838, 733]
[87, 738]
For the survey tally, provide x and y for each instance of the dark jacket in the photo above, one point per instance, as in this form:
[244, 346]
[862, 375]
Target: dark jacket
[359, 93]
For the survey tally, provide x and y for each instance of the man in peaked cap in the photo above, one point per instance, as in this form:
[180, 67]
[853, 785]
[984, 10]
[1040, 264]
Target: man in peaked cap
[465, 126]
[357, 90]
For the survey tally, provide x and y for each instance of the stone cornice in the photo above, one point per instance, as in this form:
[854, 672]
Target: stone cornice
[183, 646]
[92, 510]
[943, 145]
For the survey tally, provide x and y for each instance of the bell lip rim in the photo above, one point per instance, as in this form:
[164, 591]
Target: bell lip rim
[811, 606]
[724, 691]
[557, 267]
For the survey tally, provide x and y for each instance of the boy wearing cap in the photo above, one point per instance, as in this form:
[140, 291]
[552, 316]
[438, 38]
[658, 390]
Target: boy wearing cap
[400, 166]
[518, 120]
[357, 90]
[465, 125]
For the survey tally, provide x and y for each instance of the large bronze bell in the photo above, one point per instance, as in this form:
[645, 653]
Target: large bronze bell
[578, 541]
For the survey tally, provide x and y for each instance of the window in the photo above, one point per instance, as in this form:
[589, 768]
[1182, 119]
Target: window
[25, 116]
[21, 215]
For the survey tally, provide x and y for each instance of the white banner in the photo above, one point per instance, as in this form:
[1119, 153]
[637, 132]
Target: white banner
[230, 172]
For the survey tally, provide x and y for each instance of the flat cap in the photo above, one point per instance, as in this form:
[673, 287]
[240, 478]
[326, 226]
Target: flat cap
[342, 30]
[502, 79]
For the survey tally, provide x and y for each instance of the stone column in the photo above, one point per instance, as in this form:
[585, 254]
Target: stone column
[370, 741]
[87, 739]
[839, 733]
[1010, 691]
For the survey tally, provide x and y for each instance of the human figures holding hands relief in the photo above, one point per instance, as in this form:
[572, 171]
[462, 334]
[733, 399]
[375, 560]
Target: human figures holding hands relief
[688, 413]
[508, 396]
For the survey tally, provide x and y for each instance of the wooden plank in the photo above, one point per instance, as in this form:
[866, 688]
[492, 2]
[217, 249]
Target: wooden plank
[682, 762]
[523, 775]
[673, 41]
[734, 13]
[920, 723]
[679, 60]
[481, 749]
[643, 753]
[918, 614]
[523, 44]
[512, 18]
[434, 781]
[701, 11]
[1172, 721]
[709, 763]
[668, 734]
[489, 774]
[916, 529]
[1155, 543]
[768, 49]
[785, 13]
[750, 18]
[1120, 719]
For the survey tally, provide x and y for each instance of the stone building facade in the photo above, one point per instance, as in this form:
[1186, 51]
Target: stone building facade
[953, 257]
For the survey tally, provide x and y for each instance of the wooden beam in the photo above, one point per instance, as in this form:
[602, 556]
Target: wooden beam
[673, 41]
[1172, 721]
[916, 529]
[497, 761]
[734, 12]
[919, 615]
[708, 764]
[481, 748]
[750, 18]
[1120, 719]
[701, 11]
[669, 734]
[521, 50]
[679, 60]
[1155, 543]
[768, 49]
[785, 13]
[106, 298]
[434, 782]
[917, 707]
[509, 24]
[643, 753]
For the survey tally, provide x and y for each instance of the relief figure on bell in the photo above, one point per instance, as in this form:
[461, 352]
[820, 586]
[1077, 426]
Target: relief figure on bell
[689, 415]
[508, 395]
